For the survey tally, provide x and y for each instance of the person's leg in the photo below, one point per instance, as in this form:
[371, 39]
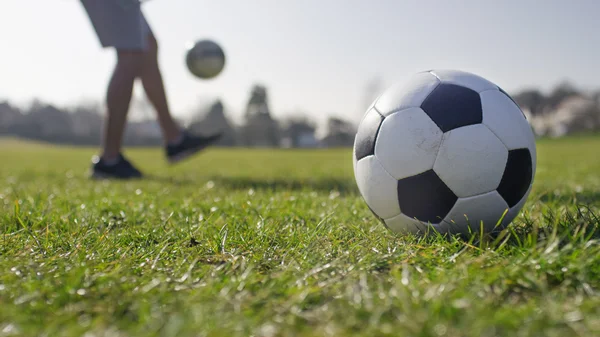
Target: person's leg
[111, 163]
[179, 143]
[118, 25]
[152, 82]
[118, 99]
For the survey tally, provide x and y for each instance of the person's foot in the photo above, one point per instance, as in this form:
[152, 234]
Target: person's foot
[188, 146]
[121, 169]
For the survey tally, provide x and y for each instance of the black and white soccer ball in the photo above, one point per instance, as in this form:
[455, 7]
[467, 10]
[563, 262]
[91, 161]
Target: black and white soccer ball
[205, 59]
[445, 150]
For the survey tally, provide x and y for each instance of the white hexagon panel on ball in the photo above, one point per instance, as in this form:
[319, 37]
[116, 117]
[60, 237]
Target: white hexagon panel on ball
[407, 143]
[471, 160]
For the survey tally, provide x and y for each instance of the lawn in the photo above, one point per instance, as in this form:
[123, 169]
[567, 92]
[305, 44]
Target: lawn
[279, 243]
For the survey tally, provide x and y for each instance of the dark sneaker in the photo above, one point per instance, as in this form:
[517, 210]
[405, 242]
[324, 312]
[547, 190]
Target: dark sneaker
[189, 145]
[122, 169]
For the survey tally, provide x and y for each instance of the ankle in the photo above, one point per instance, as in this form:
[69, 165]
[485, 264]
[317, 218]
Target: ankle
[110, 159]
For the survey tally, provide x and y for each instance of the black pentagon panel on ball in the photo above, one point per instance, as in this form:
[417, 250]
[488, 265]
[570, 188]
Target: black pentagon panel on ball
[364, 143]
[425, 197]
[453, 106]
[517, 176]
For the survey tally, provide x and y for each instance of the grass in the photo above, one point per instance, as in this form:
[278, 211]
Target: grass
[279, 243]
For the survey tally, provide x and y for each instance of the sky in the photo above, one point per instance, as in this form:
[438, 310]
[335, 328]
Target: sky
[316, 57]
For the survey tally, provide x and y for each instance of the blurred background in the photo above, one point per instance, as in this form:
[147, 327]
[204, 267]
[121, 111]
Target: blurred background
[299, 73]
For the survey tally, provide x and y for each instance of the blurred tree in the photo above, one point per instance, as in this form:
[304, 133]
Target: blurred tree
[260, 129]
[299, 131]
[575, 114]
[87, 119]
[532, 100]
[561, 92]
[10, 116]
[258, 102]
[47, 122]
[340, 133]
[596, 97]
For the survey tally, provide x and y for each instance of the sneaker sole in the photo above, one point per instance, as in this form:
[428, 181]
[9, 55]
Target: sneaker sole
[186, 154]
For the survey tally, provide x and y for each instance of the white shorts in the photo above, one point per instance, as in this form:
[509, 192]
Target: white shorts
[118, 23]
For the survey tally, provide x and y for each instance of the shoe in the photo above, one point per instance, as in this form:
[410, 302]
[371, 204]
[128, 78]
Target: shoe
[189, 145]
[122, 169]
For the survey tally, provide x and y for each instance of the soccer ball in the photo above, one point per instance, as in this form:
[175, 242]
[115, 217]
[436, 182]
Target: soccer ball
[445, 150]
[205, 59]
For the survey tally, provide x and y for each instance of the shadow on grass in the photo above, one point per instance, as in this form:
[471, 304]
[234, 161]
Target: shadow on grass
[178, 181]
[343, 186]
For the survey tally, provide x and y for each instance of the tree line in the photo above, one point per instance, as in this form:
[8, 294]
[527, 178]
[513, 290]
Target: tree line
[564, 110]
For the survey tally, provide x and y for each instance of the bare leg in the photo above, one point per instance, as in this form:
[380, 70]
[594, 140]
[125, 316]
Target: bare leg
[153, 86]
[118, 98]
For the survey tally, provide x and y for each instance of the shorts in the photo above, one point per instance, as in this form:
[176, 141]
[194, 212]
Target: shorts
[118, 23]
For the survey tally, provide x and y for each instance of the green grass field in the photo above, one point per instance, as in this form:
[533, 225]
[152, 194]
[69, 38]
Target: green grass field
[279, 243]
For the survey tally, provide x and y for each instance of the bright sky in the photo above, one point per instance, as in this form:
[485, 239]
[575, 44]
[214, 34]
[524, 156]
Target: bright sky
[315, 56]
